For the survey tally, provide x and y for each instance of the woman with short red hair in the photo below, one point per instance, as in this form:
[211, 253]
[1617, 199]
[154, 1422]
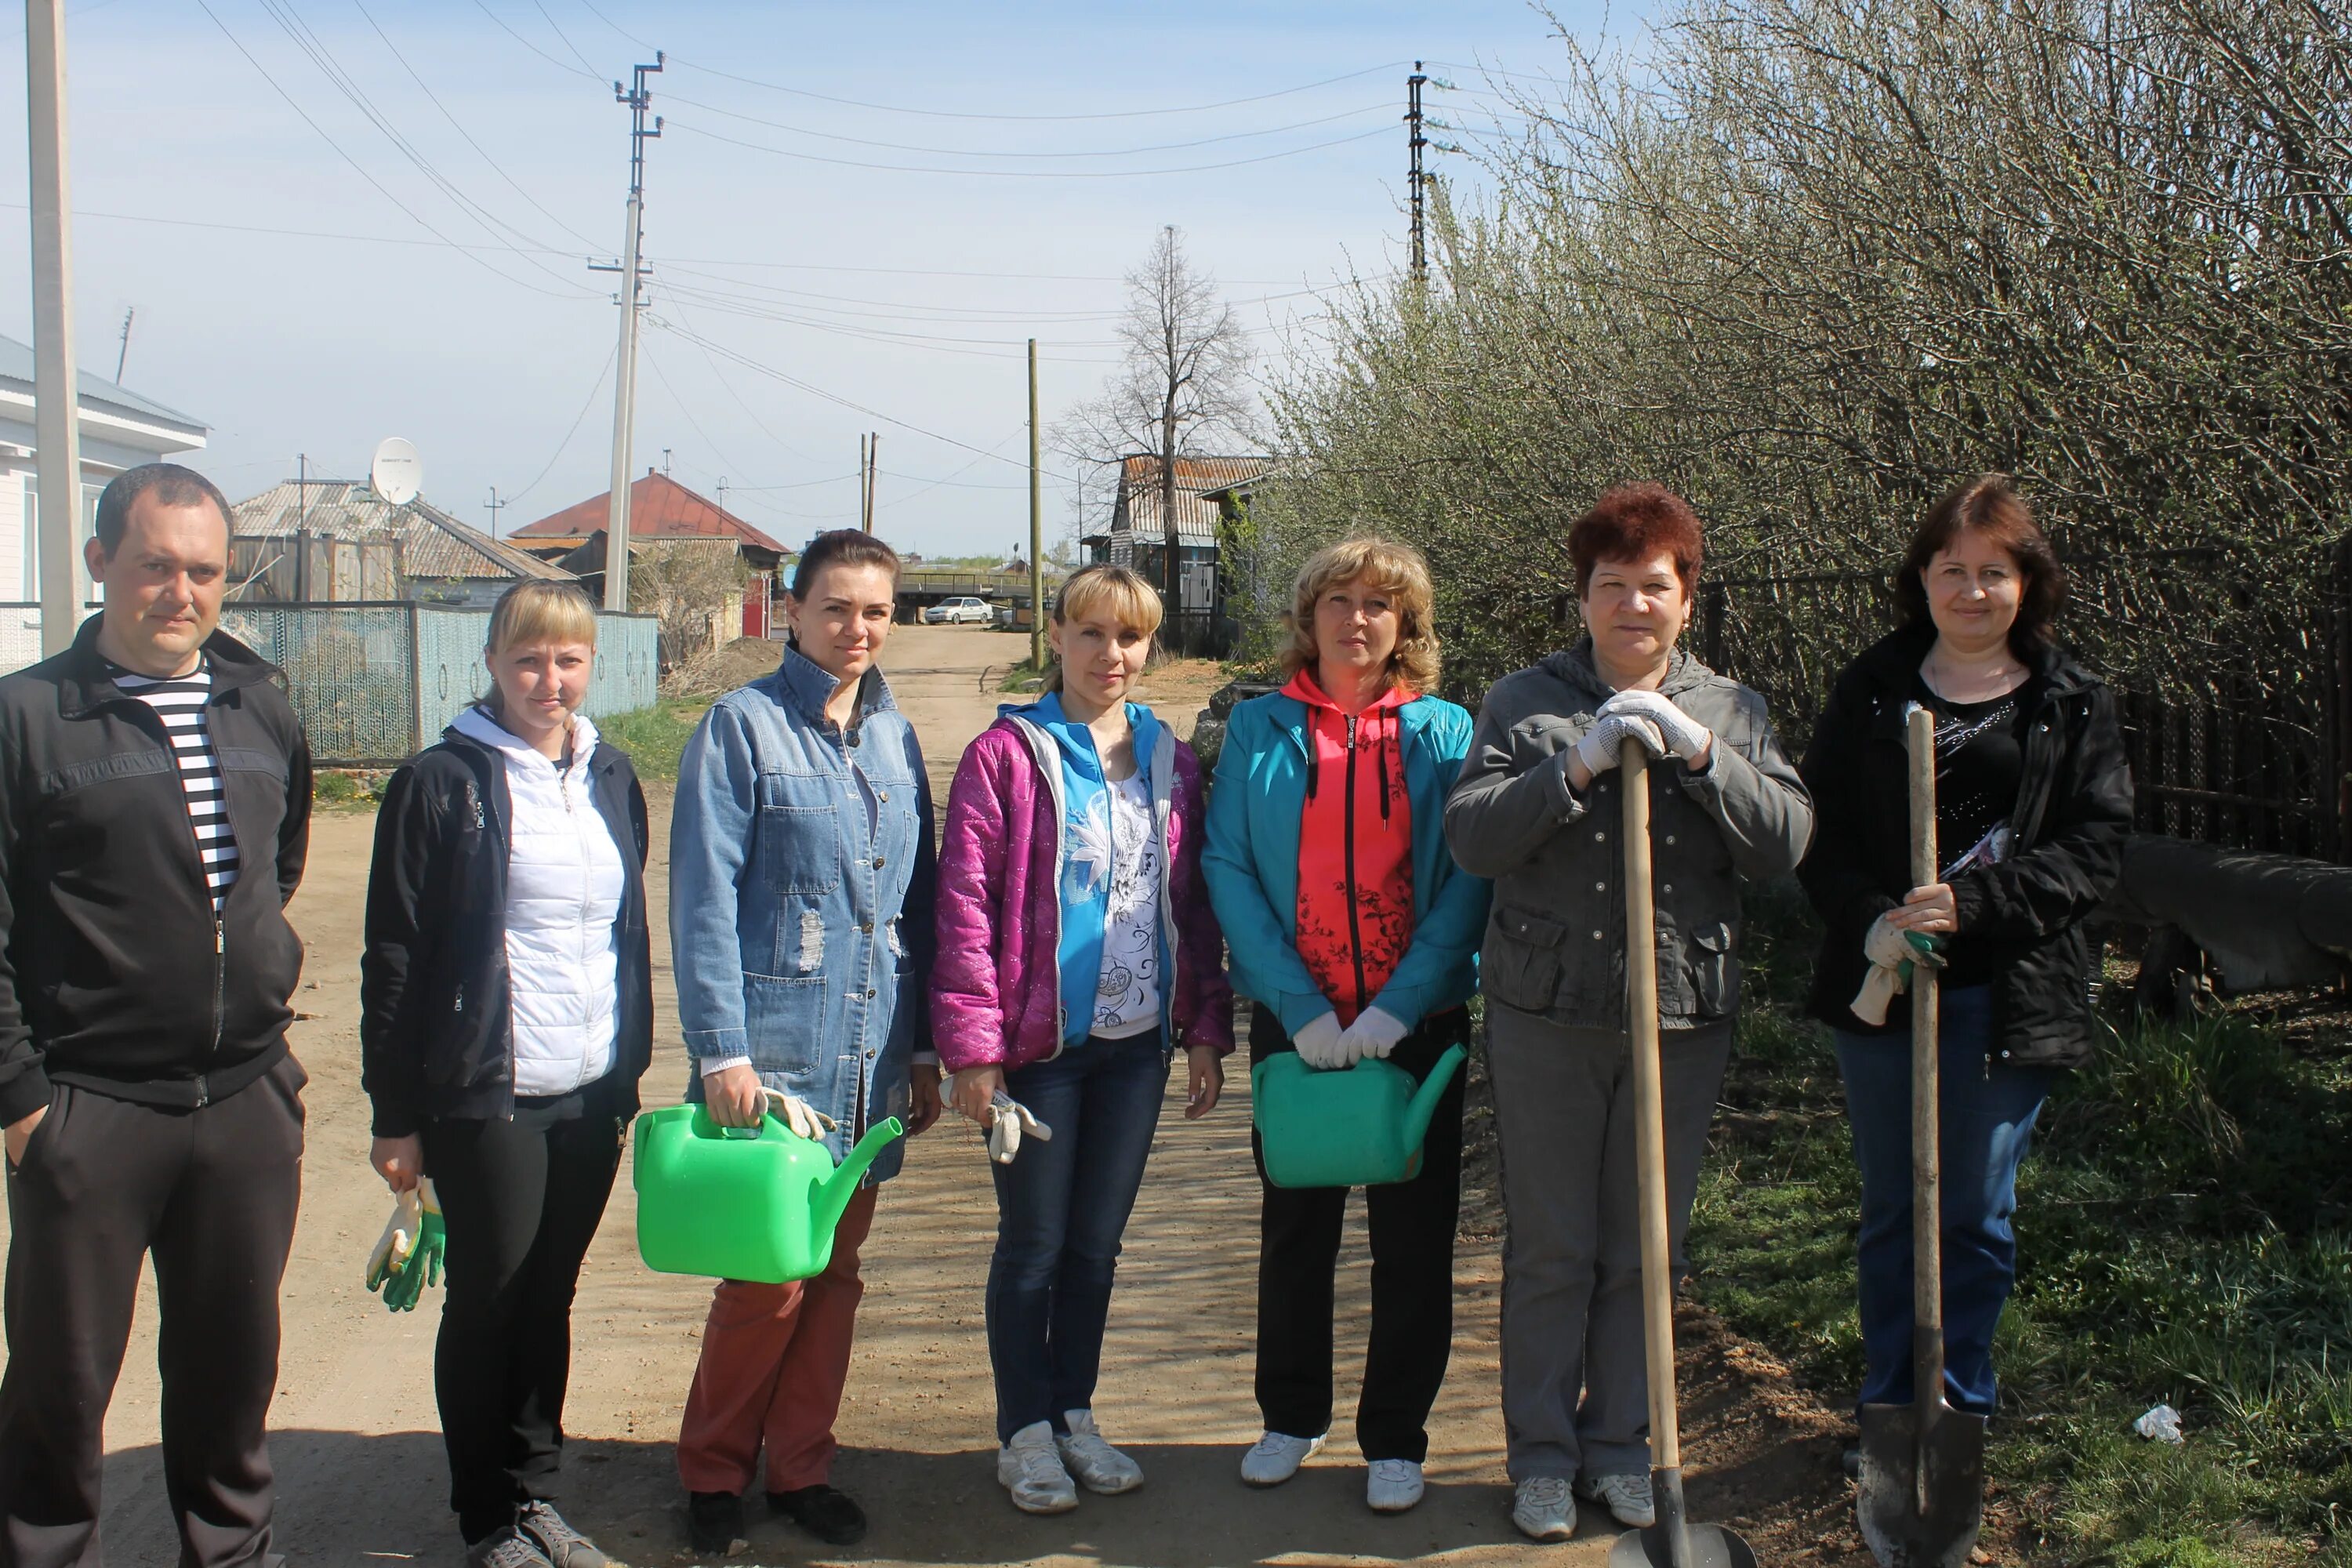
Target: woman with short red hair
[1536, 809]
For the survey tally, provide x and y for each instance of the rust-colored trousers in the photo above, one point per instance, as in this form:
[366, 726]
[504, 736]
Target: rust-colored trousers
[774, 1358]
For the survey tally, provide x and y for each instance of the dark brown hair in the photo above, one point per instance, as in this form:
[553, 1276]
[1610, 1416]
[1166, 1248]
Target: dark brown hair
[170, 483]
[841, 547]
[1632, 522]
[1986, 505]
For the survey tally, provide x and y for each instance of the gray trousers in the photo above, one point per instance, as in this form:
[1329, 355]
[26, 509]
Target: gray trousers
[1576, 1388]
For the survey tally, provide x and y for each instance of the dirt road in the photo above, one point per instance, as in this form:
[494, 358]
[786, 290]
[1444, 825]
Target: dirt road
[357, 1443]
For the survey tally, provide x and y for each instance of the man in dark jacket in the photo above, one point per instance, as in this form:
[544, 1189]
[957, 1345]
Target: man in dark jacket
[154, 811]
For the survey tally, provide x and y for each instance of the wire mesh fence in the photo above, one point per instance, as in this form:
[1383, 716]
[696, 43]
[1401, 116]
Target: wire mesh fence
[374, 682]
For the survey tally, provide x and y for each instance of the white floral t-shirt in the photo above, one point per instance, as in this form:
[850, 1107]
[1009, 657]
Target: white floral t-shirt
[1126, 994]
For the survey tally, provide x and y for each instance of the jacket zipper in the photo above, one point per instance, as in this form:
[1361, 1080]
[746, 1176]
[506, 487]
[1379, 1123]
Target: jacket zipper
[1355, 925]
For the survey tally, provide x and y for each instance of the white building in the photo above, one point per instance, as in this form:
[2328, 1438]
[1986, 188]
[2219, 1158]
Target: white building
[119, 430]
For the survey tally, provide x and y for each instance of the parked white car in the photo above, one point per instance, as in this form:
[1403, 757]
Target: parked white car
[964, 610]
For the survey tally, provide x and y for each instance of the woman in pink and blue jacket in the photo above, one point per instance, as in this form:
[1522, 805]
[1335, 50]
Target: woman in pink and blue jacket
[1076, 948]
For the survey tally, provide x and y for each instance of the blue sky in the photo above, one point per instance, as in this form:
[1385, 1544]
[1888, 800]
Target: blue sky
[448, 300]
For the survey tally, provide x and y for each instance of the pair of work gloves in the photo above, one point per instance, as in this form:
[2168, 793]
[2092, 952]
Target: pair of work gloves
[1645, 716]
[1893, 952]
[1324, 1045]
[407, 1257]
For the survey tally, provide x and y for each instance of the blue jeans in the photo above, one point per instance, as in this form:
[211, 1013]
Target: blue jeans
[1986, 1121]
[1061, 1207]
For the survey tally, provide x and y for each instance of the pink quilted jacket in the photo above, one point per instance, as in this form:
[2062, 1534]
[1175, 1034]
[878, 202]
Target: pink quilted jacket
[994, 989]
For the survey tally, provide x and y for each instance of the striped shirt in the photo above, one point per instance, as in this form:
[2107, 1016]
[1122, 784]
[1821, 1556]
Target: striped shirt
[180, 703]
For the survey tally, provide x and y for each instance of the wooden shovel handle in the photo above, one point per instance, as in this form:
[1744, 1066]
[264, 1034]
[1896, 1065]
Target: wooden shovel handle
[1649, 1110]
[1927, 1154]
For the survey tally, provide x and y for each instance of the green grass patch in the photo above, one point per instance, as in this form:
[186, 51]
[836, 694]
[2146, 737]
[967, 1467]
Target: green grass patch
[2185, 1236]
[1026, 677]
[340, 789]
[655, 737]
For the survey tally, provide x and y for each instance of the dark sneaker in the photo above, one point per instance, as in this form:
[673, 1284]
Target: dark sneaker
[714, 1521]
[832, 1516]
[563, 1546]
[507, 1548]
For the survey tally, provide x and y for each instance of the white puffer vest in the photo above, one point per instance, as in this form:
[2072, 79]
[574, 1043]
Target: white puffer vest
[564, 884]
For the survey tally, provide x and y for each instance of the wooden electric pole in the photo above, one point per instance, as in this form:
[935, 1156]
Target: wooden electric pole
[1037, 530]
[57, 394]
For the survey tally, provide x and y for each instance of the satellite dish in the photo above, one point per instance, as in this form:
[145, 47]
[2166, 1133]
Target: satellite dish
[397, 472]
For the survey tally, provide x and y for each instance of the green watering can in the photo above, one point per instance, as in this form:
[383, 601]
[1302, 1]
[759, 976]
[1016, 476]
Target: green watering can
[1357, 1127]
[755, 1203]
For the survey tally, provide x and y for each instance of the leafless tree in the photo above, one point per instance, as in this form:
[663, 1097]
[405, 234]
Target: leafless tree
[1181, 388]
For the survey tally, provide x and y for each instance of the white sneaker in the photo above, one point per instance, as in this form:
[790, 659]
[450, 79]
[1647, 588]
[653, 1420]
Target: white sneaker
[1093, 1460]
[1276, 1458]
[1543, 1510]
[1393, 1486]
[1627, 1499]
[1030, 1468]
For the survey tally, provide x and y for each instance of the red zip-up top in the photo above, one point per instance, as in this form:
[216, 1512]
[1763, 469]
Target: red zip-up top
[1355, 847]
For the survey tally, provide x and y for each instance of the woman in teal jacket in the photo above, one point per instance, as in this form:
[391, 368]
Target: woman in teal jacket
[1356, 935]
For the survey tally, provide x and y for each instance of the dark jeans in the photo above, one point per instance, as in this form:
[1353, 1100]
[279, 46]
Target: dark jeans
[1411, 1225]
[1986, 1116]
[522, 1200]
[1061, 1207]
[211, 1193]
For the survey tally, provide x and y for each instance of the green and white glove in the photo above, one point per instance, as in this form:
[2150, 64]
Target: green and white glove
[422, 1267]
[392, 1249]
[1892, 952]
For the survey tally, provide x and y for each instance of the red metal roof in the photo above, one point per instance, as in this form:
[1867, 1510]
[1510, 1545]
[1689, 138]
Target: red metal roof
[659, 508]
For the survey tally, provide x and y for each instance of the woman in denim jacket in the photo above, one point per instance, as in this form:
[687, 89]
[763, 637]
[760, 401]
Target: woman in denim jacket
[801, 882]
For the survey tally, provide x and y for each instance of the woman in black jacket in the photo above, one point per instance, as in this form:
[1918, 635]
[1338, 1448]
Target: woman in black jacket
[2033, 799]
[507, 1014]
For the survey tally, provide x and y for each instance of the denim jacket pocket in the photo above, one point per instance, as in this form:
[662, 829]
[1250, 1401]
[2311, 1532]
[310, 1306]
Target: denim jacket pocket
[799, 847]
[1521, 967]
[1712, 968]
[783, 1016]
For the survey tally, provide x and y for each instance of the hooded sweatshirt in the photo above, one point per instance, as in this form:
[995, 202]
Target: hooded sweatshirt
[1355, 847]
[564, 886]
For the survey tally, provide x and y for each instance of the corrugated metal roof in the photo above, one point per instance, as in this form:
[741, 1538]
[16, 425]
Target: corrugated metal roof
[17, 364]
[432, 542]
[1137, 508]
[659, 508]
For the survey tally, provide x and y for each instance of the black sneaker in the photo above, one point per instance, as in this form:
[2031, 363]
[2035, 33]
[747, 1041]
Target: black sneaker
[714, 1521]
[506, 1548]
[832, 1516]
[564, 1546]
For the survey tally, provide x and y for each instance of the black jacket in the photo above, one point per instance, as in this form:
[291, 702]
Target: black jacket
[115, 975]
[437, 1035]
[2073, 810]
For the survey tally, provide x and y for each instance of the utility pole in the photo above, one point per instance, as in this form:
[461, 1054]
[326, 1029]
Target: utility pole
[722, 492]
[494, 506]
[865, 483]
[873, 472]
[1415, 179]
[56, 399]
[123, 356]
[301, 528]
[631, 299]
[1036, 533]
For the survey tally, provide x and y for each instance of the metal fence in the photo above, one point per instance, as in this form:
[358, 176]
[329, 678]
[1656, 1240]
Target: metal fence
[2235, 719]
[374, 682]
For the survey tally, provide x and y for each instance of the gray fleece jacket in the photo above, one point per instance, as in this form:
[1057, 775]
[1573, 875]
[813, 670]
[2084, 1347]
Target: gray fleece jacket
[1556, 940]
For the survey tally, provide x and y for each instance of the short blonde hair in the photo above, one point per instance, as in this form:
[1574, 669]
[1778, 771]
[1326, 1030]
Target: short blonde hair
[537, 611]
[1126, 594]
[1397, 569]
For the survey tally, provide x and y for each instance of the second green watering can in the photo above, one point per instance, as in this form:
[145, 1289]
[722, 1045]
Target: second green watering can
[1352, 1126]
[757, 1204]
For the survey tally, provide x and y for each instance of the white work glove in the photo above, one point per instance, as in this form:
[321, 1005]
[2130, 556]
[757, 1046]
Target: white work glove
[1321, 1044]
[1601, 745]
[1009, 1123]
[805, 1119]
[1892, 952]
[390, 1253]
[1374, 1034]
[1685, 736]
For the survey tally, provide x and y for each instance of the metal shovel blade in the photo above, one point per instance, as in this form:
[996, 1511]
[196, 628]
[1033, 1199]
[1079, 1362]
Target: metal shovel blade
[1674, 1541]
[1921, 1502]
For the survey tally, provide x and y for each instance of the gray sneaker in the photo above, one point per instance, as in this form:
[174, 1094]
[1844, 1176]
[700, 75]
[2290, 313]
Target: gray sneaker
[1626, 1496]
[1543, 1510]
[508, 1547]
[557, 1541]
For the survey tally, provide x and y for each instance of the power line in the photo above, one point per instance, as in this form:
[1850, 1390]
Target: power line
[534, 48]
[1026, 174]
[966, 153]
[577, 420]
[559, 33]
